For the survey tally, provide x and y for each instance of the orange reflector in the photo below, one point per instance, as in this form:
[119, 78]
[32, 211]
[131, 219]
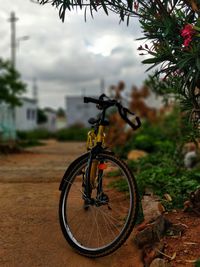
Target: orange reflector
[102, 166]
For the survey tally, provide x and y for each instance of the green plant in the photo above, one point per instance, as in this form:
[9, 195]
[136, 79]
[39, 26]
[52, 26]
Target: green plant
[34, 134]
[197, 263]
[11, 84]
[73, 133]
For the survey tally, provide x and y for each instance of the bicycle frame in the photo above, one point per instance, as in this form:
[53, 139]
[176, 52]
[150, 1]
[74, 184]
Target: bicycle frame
[95, 144]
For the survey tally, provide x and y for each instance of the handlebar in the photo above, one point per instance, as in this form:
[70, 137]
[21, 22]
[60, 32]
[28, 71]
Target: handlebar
[104, 104]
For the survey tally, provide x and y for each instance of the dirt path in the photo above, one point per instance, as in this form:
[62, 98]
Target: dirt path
[30, 234]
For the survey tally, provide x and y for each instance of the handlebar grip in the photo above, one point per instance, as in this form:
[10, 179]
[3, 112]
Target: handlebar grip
[90, 100]
[94, 100]
[123, 113]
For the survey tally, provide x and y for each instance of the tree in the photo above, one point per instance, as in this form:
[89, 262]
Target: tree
[172, 31]
[41, 116]
[11, 86]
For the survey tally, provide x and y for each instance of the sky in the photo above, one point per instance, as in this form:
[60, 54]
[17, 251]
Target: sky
[70, 58]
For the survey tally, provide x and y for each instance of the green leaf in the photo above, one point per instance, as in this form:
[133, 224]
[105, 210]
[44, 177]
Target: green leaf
[152, 60]
[104, 7]
[198, 63]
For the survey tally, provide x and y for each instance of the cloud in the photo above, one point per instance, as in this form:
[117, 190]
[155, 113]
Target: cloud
[68, 57]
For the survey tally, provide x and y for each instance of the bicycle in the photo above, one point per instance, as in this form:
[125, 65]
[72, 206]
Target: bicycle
[99, 197]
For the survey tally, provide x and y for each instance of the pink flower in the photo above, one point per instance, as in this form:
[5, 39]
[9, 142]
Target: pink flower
[188, 30]
[187, 41]
[187, 33]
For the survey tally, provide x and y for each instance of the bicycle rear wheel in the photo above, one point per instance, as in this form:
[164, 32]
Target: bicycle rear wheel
[100, 227]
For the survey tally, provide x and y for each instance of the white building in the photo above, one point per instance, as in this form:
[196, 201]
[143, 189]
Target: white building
[78, 111]
[50, 125]
[7, 123]
[26, 115]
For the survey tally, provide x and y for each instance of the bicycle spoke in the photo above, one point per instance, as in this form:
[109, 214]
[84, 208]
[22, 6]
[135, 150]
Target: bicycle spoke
[95, 225]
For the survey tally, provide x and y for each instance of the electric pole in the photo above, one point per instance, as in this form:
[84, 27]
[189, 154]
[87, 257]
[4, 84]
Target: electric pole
[102, 86]
[35, 90]
[13, 20]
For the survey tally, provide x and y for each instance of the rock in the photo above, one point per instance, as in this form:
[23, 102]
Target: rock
[136, 154]
[151, 208]
[176, 229]
[190, 159]
[159, 263]
[150, 252]
[152, 233]
[194, 202]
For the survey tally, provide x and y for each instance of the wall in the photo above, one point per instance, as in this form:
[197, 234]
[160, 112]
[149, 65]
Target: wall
[79, 112]
[26, 115]
[7, 124]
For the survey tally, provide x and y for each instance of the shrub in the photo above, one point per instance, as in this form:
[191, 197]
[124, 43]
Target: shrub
[73, 133]
[34, 134]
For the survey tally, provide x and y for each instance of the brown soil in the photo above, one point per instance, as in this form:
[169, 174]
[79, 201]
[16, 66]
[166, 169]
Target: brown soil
[30, 232]
[186, 246]
[29, 196]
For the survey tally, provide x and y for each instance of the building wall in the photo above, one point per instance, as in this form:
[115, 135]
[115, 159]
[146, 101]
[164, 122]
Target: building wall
[50, 125]
[7, 123]
[26, 115]
[78, 111]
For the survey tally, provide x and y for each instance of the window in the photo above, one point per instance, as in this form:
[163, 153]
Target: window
[28, 114]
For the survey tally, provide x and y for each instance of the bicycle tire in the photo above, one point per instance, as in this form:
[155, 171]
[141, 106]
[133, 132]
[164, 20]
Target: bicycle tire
[130, 220]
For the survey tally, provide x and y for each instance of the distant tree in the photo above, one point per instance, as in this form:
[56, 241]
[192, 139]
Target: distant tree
[11, 85]
[61, 112]
[41, 116]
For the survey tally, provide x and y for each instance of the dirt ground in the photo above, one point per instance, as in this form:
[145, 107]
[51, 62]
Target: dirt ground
[187, 245]
[30, 234]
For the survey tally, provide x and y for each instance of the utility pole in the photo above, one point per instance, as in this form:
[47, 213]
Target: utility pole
[13, 20]
[35, 90]
[102, 86]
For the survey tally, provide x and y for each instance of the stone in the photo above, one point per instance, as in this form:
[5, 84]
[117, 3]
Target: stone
[136, 154]
[190, 159]
[159, 263]
[151, 208]
[150, 252]
[176, 229]
[152, 233]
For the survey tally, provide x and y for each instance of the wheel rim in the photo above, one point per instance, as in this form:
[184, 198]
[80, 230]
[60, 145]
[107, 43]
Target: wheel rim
[98, 227]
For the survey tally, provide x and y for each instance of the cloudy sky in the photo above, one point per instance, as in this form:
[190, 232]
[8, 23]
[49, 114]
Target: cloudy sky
[72, 57]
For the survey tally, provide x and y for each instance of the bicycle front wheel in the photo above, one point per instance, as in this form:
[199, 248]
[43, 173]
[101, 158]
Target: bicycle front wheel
[98, 227]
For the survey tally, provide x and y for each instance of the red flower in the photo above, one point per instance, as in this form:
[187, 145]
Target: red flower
[187, 33]
[187, 41]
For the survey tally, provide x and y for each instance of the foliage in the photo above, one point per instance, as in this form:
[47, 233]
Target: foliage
[34, 135]
[162, 174]
[162, 169]
[41, 116]
[11, 86]
[197, 263]
[73, 133]
[61, 112]
[122, 8]
[172, 28]
[167, 135]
